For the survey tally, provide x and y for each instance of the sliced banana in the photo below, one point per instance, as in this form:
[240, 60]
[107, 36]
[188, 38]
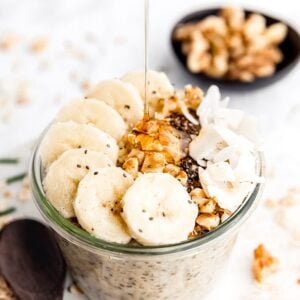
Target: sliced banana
[94, 112]
[121, 96]
[159, 86]
[97, 205]
[64, 175]
[64, 136]
[158, 210]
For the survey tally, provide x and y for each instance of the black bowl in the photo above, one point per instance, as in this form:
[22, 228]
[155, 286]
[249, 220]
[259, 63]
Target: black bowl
[290, 48]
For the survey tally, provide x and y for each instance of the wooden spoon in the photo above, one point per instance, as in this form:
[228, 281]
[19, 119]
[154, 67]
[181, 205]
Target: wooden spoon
[31, 262]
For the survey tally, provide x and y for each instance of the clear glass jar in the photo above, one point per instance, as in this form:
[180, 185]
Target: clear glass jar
[104, 270]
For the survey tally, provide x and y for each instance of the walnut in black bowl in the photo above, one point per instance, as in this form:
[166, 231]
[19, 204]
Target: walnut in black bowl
[235, 48]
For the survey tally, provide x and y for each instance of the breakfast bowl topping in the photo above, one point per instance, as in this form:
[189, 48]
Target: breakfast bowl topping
[181, 166]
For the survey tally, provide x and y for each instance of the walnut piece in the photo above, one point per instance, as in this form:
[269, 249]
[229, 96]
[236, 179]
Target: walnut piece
[208, 221]
[232, 45]
[264, 264]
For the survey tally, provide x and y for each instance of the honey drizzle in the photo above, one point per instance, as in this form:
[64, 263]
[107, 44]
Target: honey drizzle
[146, 45]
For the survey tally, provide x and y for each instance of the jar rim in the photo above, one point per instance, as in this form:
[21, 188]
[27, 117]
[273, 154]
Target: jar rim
[64, 227]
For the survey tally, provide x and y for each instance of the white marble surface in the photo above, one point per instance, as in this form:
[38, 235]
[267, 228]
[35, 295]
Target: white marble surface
[97, 39]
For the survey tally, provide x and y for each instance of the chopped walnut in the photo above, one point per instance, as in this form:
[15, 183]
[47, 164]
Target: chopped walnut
[196, 232]
[190, 100]
[264, 264]
[198, 196]
[153, 162]
[193, 96]
[232, 45]
[140, 155]
[158, 136]
[171, 169]
[208, 207]
[182, 177]
[208, 221]
[131, 165]
[225, 215]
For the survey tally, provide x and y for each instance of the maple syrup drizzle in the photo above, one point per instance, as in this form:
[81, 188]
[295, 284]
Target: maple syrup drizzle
[146, 45]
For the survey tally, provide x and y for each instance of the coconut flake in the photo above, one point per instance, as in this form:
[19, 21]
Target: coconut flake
[230, 197]
[221, 171]
[229, 118]
[209, 105]
[230, 154]
[213, 110]
[205, 143]
[225, 147]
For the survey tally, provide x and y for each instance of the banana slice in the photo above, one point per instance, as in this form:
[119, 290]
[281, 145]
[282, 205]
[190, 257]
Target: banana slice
[121, 96]
[97, 205]
[158, 210]
[64, 175]
[94, 112]
[159, 86]
[64, 136]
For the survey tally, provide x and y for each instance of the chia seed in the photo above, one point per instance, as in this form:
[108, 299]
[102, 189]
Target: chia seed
[190, 167]
[181, 123]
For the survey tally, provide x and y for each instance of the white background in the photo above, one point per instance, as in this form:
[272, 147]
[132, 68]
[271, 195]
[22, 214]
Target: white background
[106, 40]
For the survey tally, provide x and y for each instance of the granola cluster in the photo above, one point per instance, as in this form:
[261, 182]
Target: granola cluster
[232, 45]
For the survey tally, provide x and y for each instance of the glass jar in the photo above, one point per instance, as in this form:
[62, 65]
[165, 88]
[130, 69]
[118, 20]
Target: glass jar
[104, 270]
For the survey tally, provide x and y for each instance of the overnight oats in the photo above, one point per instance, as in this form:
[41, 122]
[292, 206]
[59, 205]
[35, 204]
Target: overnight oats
[147, 202]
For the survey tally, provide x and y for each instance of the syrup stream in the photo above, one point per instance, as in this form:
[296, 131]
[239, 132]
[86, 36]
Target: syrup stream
[146, 19]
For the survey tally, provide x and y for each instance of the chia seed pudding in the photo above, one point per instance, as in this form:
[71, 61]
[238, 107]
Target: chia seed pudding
[147, 205]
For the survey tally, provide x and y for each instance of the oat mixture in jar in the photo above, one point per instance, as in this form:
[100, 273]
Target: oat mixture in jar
[146, 204]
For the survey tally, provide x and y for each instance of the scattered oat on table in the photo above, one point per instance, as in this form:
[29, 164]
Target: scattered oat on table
[22, 94]
[39, 45]
[24, 194]
[8, 41]
[85, 85]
